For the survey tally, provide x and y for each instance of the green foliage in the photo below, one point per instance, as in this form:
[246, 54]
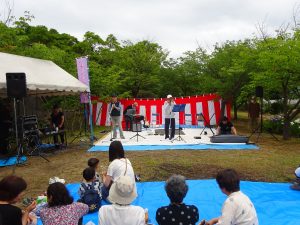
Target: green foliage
[275, 125]
[142, 69]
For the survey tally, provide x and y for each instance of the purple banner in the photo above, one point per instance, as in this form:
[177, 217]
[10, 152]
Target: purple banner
[83, 76]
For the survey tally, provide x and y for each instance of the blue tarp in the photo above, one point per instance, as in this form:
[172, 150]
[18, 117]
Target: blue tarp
[12, 161]
[179, 147]
[275, 203]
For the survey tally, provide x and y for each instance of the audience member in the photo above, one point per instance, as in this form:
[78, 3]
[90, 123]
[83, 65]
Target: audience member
[177, 212]
[94, 163]
[237, 208]
[61, 209]
[119, 165]
[90, 190]
[296, 185]
[11, 191]
[121, 194]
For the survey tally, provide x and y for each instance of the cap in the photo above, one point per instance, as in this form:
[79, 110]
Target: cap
[169, 96]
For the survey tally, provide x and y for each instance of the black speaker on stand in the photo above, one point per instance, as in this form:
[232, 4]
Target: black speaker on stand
[259, 92]
[17, 89]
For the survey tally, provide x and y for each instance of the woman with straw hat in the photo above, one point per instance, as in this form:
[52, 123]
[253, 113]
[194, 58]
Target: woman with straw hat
[121, 194]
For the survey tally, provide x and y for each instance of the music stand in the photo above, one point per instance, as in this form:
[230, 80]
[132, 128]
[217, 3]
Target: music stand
[206, 123]
[179, 108]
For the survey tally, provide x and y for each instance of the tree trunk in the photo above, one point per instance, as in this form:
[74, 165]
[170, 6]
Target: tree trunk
[223, 104]
[286, 120]
[286, 129]
[235, 109]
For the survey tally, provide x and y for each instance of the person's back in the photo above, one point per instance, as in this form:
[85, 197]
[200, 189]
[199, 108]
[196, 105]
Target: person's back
[90, 190]
[177, 214]
[120, 167]
[121, 215]
[61, 210]
[63, 214]
[239, 210]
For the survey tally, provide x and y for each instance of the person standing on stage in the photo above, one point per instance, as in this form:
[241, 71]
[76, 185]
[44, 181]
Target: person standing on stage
[169, 117]
[115, 114]
[128, 114]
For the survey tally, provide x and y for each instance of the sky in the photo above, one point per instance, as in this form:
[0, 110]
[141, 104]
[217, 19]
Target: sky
[176, 25]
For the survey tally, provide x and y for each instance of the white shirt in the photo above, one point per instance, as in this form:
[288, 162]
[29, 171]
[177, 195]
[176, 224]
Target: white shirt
[238, 210]
[121, 215]
[168, 108]
[117, 168]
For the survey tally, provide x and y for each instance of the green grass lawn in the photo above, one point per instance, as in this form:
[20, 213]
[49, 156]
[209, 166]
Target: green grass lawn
[273, 162]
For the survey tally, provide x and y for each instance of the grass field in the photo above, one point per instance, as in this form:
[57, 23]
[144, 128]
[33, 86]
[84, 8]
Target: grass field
[274, 162]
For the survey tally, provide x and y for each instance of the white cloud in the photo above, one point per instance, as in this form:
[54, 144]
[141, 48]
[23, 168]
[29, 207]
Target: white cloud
[177, 25]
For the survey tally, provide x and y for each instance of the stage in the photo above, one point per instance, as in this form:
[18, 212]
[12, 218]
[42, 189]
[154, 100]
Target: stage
[154, 139]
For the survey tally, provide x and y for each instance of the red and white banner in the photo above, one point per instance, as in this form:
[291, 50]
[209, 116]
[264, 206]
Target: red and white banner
[209, 105]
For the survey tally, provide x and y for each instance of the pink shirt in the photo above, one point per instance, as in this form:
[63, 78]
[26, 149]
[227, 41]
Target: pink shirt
[65, 214]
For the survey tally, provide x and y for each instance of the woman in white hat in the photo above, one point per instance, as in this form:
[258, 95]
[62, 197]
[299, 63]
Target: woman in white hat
[169, 117]
[122, 193]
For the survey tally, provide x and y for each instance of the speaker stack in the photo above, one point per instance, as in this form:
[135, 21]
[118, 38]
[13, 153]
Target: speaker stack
[259, 91]
[16, 85]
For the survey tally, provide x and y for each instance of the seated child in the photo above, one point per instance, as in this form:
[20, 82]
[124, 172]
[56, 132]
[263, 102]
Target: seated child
[296, 185]
[237, 208]
[90, 190]
[94, 163]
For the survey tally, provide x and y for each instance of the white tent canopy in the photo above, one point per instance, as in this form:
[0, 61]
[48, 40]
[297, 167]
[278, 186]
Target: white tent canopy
[43, 77]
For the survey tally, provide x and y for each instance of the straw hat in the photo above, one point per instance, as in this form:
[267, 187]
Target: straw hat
[122, 191]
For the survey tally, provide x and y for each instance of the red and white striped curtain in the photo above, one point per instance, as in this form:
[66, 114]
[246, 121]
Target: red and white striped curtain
[209, 105]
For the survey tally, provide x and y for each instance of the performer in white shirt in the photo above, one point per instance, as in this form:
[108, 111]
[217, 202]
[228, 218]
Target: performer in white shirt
[237, 208]
[169, 117]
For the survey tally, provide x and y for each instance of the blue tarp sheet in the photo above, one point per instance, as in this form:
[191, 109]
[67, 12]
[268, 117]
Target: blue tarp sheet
[275, 203]
[179, 147]
[11, 161]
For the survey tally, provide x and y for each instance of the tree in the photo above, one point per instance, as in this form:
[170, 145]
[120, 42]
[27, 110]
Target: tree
[227, 71]
[141, 63]
[279, 64]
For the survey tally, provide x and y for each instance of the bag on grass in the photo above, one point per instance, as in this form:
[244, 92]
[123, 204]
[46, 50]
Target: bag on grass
[91, 197]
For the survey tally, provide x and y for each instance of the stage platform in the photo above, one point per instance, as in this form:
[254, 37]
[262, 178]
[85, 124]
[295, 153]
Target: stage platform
[275, 203]
[154, 139]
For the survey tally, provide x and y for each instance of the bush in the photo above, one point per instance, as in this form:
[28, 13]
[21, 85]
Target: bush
[275, 125]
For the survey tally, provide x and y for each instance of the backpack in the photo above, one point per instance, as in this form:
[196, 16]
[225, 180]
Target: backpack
[91, 197]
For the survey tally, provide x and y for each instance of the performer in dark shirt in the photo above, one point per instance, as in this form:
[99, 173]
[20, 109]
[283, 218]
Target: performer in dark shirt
[129, 116]
[57, 123]
[115, 115]
[226, 127]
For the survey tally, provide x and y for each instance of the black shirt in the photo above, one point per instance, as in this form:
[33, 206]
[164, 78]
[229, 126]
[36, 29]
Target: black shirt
[226, 128]
[177, 214]
[114, 111]
[56, 119]
[10, 215]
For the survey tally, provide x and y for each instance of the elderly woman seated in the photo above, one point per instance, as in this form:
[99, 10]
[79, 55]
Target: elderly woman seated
[177, 212]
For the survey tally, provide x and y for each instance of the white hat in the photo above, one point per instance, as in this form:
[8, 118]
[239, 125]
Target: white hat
[122, 191]
[169, 96]
[297, 172]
